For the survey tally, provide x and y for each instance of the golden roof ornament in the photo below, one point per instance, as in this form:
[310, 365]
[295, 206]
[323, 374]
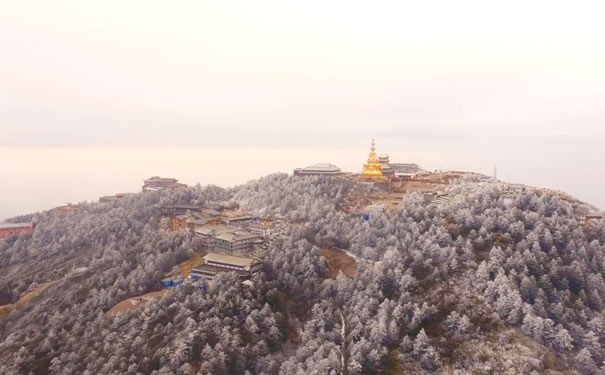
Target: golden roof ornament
[372, 168]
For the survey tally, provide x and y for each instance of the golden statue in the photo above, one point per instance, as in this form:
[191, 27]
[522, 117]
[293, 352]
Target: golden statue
[373, 167]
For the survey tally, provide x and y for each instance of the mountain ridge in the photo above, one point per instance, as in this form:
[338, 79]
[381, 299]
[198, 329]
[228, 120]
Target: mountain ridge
[441, 287]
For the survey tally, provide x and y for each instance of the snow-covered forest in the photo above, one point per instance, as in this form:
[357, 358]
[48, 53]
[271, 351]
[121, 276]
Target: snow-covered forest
[479, 284]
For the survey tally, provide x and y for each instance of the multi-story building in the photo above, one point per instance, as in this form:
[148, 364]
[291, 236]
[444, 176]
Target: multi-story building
[385, 163]
[258, 230]
[228, 239]
[215, 263]
[208, 232]
[252, 224]
[321, 169]
[158, 183]
[10, 229]
[237, 241]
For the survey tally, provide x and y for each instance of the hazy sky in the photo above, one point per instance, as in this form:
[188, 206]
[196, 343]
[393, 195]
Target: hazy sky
[477, 78]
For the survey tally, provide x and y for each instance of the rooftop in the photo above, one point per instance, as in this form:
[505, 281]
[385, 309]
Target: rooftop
[191, 207]
[165, 179]
[204, 268]
[121, 195]
[237, 236]
[321, 167]
[191, 214]
[201, 221]
[240, 218]
[405, 167]
[212, 229]
[230, 259]
[14, 225]
[211, 212]
[226, 233]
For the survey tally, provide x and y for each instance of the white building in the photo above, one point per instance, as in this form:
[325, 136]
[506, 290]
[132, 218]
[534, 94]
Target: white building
[228, 239]
[321, 169]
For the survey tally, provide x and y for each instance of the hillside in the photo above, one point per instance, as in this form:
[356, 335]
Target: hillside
[488, 281]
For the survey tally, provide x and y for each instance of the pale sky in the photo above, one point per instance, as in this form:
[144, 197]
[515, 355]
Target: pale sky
[480, 79]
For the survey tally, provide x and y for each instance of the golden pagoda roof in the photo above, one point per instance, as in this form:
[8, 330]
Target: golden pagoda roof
[372, 168]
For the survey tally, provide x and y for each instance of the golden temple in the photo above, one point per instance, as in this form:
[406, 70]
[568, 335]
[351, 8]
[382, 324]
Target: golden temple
[372, 169]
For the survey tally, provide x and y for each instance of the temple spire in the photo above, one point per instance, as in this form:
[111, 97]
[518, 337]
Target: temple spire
[372, 168]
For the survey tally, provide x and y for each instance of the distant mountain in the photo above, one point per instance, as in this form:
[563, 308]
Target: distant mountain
[491, 280]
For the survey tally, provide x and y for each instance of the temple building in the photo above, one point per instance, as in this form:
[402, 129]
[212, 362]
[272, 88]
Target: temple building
[381, 173]
[321, 169]
[385, 163]
[158, 183]
[372, 170]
